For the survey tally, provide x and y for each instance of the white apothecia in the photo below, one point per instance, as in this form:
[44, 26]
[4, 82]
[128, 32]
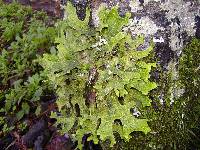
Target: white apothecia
[100, 43]
[136, 113]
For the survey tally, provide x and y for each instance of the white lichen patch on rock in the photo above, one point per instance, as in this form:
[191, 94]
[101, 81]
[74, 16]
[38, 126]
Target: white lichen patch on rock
[176, 89]
[184, 13]
[180, 14]
[144, 26]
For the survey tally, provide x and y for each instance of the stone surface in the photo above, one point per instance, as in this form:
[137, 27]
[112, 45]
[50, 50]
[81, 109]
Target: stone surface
[170, 23]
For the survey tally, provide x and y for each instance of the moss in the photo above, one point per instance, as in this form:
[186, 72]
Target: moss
[24, 36]
[190, 79]
[190, 67]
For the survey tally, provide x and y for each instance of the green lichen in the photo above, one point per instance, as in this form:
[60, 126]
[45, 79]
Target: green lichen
[99, 77]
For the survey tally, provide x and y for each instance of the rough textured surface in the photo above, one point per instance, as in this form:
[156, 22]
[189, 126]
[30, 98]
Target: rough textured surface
[168, 21]
[171, 23]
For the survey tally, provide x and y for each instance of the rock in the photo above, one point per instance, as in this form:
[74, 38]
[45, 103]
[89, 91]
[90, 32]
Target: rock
[172, 22]
[197, 26]
[59, 142]
[81, 6]
[42, 140]
[34, 132]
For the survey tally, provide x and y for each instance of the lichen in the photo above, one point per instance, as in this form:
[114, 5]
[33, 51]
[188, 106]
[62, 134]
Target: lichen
[99, 77]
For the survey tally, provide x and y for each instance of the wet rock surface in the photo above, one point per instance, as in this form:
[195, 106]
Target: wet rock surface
[197, 26]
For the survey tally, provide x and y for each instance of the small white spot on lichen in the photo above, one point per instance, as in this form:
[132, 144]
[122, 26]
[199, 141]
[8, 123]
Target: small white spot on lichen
[109, 72]
[100, 43]
[136, 113]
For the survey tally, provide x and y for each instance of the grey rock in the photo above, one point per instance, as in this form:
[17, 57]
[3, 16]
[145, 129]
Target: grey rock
[33, 133]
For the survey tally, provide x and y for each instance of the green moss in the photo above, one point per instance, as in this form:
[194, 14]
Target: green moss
[190, 79]
[190, 68]
[24, 36]
[99, 78]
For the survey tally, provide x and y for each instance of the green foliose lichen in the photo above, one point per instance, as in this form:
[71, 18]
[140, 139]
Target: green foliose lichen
[99, 77]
